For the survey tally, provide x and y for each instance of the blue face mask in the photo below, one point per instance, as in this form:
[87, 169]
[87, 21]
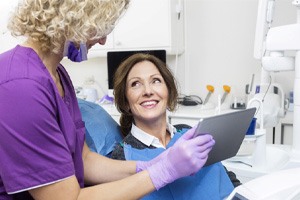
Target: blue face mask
[74, 54]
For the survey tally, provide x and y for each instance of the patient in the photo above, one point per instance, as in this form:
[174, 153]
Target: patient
[144, 90]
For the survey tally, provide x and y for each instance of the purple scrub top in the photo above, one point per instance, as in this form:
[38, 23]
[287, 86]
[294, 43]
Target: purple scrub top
[41, 133]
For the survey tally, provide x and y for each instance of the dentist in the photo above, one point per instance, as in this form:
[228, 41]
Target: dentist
[42, 148]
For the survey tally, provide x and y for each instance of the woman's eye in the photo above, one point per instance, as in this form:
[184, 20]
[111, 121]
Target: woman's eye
[135, 84]
[156, 80]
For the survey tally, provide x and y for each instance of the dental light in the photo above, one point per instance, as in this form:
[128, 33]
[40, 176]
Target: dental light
[273, 41]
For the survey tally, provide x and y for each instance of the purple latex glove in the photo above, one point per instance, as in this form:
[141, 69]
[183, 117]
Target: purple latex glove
[142, 165]
[77, 55]
[185, 158]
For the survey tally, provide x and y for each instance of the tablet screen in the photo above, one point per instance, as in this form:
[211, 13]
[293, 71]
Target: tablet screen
[228, 131]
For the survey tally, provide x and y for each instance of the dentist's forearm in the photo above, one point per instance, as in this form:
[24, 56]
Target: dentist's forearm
[100, 169]
[133, 187]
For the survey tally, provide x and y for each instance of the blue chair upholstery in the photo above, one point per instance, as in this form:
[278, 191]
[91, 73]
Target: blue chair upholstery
[102, 131]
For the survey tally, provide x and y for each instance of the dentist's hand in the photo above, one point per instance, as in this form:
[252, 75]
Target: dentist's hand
[142, 165]
[186, 157]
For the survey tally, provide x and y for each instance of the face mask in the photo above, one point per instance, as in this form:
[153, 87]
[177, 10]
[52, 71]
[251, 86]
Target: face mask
[74, 54]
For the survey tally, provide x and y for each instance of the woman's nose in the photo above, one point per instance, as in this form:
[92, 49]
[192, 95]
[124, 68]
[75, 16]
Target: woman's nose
[148, 90]
[102, 41]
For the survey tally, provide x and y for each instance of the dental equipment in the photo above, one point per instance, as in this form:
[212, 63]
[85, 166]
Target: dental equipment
[270, 45]
[259, 154]
[250, 86]
[210, 89]
[274, 105]
[226, 92]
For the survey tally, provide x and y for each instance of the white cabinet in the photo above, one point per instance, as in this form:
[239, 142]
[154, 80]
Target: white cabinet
[147, 24]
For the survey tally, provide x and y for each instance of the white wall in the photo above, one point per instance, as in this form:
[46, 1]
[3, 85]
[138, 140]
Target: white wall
[219, 44]
[6, 40]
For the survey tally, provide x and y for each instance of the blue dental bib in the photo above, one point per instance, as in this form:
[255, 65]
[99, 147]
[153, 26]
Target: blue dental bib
[211, 182]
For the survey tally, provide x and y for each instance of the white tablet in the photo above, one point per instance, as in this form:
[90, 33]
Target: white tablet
[228, 130]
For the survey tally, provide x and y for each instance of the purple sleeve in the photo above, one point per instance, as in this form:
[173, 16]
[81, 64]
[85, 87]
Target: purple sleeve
[33, 150]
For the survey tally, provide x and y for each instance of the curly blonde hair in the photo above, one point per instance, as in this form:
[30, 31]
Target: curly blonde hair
[52, 22]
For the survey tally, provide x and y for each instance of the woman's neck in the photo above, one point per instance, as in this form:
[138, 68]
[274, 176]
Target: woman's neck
[157, 129]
